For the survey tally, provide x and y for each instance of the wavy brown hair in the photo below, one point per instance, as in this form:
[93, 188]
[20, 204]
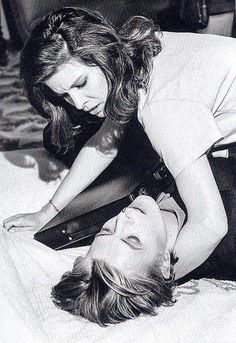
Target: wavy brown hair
[124, 55]
[105, 295]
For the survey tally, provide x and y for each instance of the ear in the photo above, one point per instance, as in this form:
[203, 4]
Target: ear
[165, 267]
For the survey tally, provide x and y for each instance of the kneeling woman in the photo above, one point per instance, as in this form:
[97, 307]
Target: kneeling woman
[181, 86]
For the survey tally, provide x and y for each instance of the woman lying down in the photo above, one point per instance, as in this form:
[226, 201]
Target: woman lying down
[129, 268]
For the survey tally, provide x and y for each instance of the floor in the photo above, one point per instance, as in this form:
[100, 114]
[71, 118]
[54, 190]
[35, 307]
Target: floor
[20, 126]
[3, 23]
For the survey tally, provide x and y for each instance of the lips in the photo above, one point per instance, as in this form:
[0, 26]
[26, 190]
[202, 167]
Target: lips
[144, 203]
[92, 108]
[95, 110]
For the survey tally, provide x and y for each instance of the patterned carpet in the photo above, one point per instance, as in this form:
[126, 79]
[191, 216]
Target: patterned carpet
[20, 126]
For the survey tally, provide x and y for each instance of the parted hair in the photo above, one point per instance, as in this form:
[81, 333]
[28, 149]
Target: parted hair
[124, 55]
[105, 295]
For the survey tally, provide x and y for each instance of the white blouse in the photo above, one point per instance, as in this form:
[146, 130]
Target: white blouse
[190, 104]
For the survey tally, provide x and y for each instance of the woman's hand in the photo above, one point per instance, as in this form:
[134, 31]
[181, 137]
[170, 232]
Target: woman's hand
[25, 222]
[30, 221]
[93, 159]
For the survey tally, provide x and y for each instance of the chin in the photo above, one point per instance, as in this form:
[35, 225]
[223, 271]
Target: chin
[145, 198]
[101, 115]
[145, 203]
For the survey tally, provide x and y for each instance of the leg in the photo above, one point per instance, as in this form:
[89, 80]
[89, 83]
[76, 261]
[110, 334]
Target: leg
[219, 24]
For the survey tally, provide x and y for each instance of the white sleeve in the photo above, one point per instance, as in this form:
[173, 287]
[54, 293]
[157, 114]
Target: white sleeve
[180, 131]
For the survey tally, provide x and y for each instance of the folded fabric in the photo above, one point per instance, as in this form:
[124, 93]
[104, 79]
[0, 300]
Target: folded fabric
[205, 310]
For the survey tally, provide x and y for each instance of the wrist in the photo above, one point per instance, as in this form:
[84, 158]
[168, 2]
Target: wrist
[48, 212]
[54, 206]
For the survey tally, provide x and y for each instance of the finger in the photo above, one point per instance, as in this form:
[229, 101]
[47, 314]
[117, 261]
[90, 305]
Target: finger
[10, 219]
[8, 226]
[18, 222]
[15, 229]
[16, 216]
[14, 220]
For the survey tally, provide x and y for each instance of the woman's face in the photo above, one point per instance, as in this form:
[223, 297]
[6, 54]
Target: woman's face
[132, 240]
[84, 87]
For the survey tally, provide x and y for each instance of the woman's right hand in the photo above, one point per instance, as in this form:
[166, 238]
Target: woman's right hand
[25, 222]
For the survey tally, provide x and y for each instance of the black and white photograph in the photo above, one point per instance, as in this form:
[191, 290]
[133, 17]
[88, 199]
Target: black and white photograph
[117, 171]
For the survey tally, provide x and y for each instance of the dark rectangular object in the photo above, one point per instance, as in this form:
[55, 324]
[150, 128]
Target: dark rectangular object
[81, 230]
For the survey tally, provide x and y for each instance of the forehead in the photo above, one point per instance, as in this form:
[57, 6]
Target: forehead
[116, 253]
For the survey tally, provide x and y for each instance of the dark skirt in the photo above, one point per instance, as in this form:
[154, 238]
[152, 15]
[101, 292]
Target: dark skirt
[220, 6]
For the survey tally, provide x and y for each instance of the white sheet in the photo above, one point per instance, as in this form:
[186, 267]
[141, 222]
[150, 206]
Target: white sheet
[205, 310]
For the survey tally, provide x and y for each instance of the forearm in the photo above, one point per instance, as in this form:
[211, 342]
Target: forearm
[207, 220]
[195, 244]
[88, 165]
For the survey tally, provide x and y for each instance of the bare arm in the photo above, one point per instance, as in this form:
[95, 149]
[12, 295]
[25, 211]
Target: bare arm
[92, 160]
[182, 131]
[207, 221]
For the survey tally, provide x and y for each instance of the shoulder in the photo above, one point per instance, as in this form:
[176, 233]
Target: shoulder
[181, 49]
[180, 131]
[179, 71]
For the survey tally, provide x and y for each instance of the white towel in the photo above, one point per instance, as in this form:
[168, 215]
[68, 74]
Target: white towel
[205, 310]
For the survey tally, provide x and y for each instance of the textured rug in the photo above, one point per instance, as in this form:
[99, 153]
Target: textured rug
[20, 126]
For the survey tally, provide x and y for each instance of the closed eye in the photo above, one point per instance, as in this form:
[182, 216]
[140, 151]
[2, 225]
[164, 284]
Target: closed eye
[104, 232]
[67, 97]
[134, 242]
[80, 85]
[134, 239]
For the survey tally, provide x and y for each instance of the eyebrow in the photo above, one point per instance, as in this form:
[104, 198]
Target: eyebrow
[132, 245]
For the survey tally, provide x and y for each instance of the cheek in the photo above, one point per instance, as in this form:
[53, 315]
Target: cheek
[98, 91]
[158, 229]
[159, 243]
[154, 238]
[110, 224]
[140, 264]
[101, 84]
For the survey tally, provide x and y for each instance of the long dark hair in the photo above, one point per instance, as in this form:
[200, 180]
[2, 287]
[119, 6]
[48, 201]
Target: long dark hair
[124, 55]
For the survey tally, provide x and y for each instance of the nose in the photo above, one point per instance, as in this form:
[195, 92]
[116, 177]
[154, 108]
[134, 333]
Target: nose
[76, 99]
[121, 222]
